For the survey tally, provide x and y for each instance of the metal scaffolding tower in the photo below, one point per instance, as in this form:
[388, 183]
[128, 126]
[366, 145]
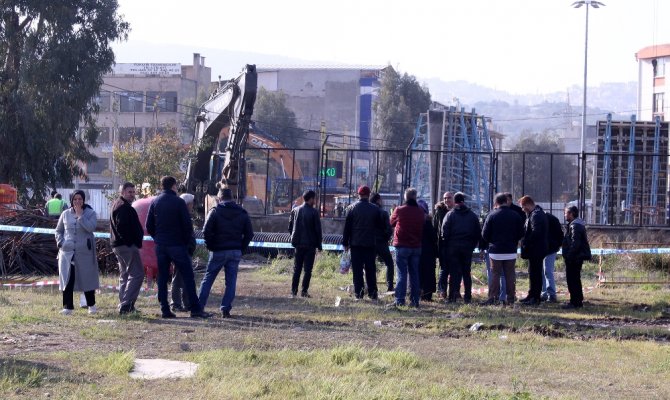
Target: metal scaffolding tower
[464, 146]
[421, 172]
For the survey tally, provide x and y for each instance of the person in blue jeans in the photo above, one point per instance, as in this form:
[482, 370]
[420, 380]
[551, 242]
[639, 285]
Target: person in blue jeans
[408, 221]
[169, 224]
[227, 233]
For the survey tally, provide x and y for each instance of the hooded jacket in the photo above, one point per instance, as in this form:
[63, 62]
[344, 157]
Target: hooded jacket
[228, 227]
[575, 242]
[461, 228]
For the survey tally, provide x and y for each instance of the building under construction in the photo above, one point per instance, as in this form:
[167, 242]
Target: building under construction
[452, 151]
[630, 180]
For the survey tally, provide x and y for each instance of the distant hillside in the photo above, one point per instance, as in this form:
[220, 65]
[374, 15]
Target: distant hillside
[514, 113]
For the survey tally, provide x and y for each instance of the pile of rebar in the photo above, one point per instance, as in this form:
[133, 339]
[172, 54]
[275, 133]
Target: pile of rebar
[34, 254]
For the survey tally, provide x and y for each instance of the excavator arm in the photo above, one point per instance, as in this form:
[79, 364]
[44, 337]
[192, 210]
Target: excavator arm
[229, 107]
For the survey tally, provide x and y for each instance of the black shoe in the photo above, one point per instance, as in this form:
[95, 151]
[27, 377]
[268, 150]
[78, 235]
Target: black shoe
[374, 296]
[225, 314]
[200, 314]
[489, 302]
[176, 309]
[414, 305]
[390, 288]
[168, 314]
[552, 299]
[531, 302]
[305, 294]
[467, 301]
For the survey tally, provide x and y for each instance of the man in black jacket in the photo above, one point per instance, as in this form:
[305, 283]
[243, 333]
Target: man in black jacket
[461, 232]
[382, 241]
[363, 220]
[502, 231]
[575, 250]
[227, 232]
[534, 247]
[169, 223]
[441, 210]
[126, 235]
[304, 225]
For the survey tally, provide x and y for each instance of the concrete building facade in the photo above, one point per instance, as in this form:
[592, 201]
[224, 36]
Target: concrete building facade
[653, 97]
[140, 100]
[341, 97]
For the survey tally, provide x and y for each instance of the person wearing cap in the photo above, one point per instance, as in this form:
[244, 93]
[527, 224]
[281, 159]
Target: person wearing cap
[441, 210]
[169, 224]
[408, 221]
[179, 301]
[428, 255]
[304, 225]
[361, 223]
[126, 234]
[461, 232]
[228, 232]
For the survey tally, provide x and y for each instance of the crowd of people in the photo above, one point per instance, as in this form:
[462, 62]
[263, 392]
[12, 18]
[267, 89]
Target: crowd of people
[447, 237]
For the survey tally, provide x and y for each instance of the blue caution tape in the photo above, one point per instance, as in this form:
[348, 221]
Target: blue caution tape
[103, 235]
[331, 247]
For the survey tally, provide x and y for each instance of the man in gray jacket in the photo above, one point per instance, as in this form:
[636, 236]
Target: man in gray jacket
[304, 225]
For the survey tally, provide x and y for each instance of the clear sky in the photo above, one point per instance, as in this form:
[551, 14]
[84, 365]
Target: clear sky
[522, 46]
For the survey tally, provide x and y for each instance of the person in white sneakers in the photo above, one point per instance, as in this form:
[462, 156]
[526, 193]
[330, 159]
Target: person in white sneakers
[77, 258]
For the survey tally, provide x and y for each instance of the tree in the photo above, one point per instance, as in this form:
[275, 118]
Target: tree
[537, 168]
[401, 99]
[55, 54]
[272, 115]
[161, 155]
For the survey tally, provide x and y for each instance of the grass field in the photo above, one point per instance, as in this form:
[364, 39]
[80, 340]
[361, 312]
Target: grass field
[281, 348]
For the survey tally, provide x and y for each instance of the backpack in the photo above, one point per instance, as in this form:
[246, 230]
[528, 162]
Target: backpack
[554, 233]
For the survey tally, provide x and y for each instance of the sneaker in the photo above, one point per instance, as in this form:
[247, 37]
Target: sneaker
[168, 314]
[225, 314]
[92, 310]
[66, 311]
[292, 296]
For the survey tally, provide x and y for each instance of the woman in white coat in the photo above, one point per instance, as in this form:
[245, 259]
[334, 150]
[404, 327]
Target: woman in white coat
[77, 258]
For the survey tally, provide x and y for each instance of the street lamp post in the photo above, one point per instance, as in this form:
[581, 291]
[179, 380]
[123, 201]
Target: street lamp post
[582, 175]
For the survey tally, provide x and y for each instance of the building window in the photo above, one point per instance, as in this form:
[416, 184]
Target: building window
[131, 101]
[98, 166]
[103, 137]
[103, 100]
[658, 103]
[125, 134]
[161, 101]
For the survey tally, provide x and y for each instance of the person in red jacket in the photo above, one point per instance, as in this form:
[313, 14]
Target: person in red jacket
[408, 222]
